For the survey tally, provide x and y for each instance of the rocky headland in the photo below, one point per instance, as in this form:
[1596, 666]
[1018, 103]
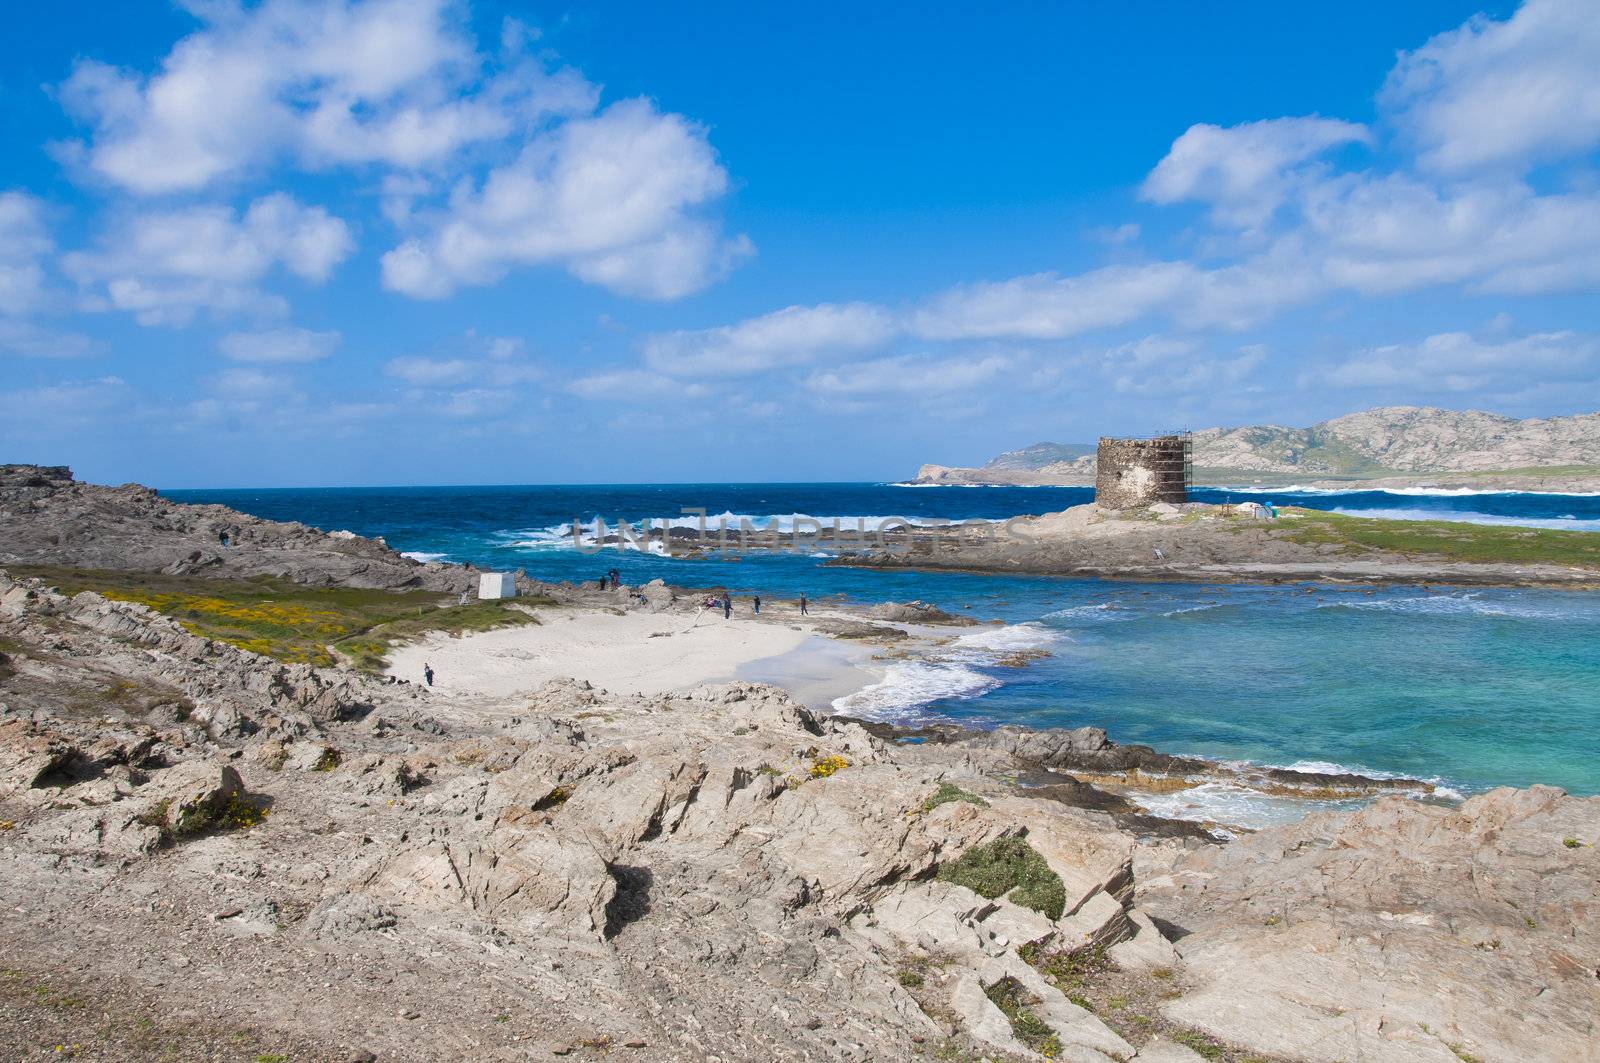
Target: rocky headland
[1209, 543]
[1390, 447]
[207, 853]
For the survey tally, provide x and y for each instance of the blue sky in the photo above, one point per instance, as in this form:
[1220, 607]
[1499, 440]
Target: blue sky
[416, 241]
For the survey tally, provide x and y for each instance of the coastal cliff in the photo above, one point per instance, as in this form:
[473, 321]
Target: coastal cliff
[209, 853]
[1392, 446]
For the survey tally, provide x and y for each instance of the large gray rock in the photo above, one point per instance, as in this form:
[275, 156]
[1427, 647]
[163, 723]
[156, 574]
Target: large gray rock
[1405, 931]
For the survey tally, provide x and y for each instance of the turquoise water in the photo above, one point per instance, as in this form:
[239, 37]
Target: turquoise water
[1473, 688]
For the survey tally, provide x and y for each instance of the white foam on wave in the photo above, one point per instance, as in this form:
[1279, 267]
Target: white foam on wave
[1566, 523]
[1467, 603]
[422, 555]
[560, 536]
[1012, 638]
[1237, 806]
[1098, 612]
[908, 686]
[1422, 492]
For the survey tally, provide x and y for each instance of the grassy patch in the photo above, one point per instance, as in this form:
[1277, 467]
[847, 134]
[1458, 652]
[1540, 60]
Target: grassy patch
[1009, 996]
[948, 792]
[1070, 971]
[1010, 868]
[291, 623]
[1449, 540]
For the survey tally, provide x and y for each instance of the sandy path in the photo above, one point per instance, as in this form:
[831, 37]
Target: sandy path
[634, 653]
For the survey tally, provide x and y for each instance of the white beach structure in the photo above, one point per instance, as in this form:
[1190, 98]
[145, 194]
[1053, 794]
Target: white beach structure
[497, 585]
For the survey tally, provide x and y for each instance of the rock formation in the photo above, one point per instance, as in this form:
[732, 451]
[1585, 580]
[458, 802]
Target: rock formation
[367, 870]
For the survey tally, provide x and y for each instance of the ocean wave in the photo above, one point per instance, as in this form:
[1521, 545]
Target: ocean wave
[1329, 767]
[1566, 523]
[560, 536]
[1422, 492]
[1098, 612]
[908, 686]
[423, 555]
[1012, 638]
[1233, 805]
[1468, 603]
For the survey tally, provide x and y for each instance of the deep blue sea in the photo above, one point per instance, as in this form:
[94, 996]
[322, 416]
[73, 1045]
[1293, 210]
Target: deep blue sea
[1472, 688]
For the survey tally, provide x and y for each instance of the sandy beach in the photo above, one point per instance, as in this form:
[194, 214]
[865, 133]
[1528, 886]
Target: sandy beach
[638, 653]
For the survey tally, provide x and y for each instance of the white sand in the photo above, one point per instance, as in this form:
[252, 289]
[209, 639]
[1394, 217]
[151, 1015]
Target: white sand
[617, 653]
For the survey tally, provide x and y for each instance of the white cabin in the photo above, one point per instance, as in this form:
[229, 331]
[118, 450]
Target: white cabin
[497, 585]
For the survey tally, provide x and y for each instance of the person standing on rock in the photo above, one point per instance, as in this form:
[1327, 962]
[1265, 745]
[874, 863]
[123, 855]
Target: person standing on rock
[758, 604]
[427, 673]
[727, 605]
[803, 611]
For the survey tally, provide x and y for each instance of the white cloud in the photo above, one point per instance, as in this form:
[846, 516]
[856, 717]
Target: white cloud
[1458, 362]
[70, 402]
[28, 340]
[634, 385]
[1384, 234]
[165, 266]
[910, 376]
[323, 81]
[485, 361]
[611, 198]
[279, 345]
[429, 372]
[791, 336]
[1510, 93]
[24, 243]
[1245, 171]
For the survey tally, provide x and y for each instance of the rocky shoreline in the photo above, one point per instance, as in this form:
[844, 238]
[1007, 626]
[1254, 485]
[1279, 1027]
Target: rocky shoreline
[209, 854]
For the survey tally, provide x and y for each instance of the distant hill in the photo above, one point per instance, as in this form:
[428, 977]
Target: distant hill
[1039, 455]
[1400, 443]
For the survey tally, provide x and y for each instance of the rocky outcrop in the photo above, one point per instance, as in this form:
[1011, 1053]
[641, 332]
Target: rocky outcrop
[722, 874]
[51, 519]
[1405, 931]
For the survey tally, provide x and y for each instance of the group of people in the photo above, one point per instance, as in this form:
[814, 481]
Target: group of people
[612, 579]
[726, 602]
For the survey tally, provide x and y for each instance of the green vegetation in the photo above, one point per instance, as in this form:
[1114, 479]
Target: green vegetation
[1449, 540]
[292, 623]
[1009, 996]
[1010, 868]
[1200, 1044]
[948, 792]
[1571, 843]
[1067, 970]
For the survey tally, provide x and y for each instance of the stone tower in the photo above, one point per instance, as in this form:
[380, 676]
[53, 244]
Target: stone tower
[1133, 473]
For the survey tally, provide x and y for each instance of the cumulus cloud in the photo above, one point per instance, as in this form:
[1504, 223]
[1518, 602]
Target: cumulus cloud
[612, 198]
[787, 337]
[279, 345]
[1245, 171]
[1502, 94]
[325, 82]
[164, 266]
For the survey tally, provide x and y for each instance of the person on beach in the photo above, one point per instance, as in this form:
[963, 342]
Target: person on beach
[803, 604]
[427, 673]
[222, 537]
[605, 580]
[758, 604]
[727, 605]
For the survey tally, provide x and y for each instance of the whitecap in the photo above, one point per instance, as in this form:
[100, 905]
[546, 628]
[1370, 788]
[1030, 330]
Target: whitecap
[907, 686]
[422, 555]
